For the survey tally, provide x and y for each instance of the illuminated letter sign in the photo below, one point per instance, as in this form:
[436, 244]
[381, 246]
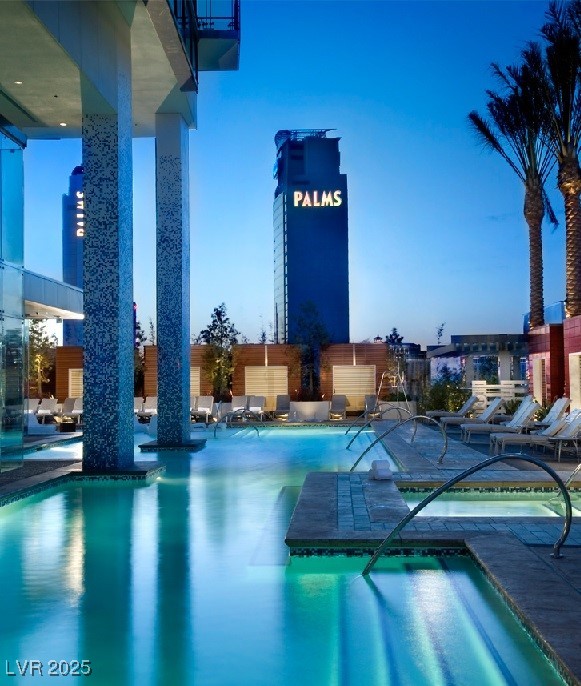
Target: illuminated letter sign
[80, 214]
[317, 198]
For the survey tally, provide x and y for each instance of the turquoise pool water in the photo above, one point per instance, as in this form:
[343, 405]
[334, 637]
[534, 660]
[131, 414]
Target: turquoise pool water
[492, 504]
[188, 581]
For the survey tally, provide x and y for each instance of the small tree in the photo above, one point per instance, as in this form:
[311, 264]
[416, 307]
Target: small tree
[41, 357]
[311, 335]
[446, 392]
[220, 335]
[138, 360]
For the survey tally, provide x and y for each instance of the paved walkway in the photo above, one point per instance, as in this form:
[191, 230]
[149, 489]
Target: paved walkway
[354, 512]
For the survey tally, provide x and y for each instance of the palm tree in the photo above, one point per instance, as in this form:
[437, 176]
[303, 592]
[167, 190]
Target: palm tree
[517, 131]
[558, 78]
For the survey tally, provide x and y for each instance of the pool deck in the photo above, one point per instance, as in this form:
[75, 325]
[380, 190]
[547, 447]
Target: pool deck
[350, 512]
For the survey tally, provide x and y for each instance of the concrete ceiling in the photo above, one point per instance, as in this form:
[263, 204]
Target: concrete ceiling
[41, 83]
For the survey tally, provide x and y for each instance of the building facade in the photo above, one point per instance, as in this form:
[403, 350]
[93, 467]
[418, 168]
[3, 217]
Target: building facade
[310, 216]
[72, 243]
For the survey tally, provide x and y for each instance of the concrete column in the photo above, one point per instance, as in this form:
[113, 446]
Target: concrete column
[173, 279]
[504, 365]
[108, 284]
[469, 370]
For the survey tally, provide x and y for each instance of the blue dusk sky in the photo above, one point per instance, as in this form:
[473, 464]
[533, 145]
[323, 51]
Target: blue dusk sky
[436, 229]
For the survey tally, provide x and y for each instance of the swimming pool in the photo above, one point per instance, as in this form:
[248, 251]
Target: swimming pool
[188, 581]
[511, 503]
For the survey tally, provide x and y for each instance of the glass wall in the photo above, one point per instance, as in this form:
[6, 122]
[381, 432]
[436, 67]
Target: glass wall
[11, 302]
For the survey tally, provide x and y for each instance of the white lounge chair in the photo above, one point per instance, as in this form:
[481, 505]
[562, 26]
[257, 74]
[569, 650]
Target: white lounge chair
[521, 420]
[48, 408]
[149, 407]
[239, 402]
[556, 411]
[31, 405]
[137, 405]
[256, 405]
[462, 412]
[565, 429]
[204, 407]
[76, 412]
[67, 407]
[483, 418]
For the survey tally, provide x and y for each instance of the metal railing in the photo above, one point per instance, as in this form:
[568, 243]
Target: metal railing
[459, 477]
[218, 15]
[241, 414]
[391, 407]
[405, 421]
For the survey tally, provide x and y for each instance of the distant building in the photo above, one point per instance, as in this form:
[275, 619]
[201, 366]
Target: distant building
[310, 234]
[72, 245]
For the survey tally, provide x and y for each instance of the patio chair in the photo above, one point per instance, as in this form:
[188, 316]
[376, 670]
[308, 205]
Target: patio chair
[483, 418]
[77, 411]
[149, 407]
[462, 412]
[561, 431]
[372, 408]
[282, 408]
[556, 411]
[338, 408]
[48, 408]
[204, 407]
[521, 420]
[239, 402]
[67, 407]
[137, 405]
[31, 405]
[256, 405]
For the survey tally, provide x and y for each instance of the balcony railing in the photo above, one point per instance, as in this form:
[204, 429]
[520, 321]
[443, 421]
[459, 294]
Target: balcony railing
[218, 15]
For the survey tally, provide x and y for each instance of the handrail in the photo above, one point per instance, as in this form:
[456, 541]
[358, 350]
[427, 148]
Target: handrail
[238, 413]
[368, 423]
[405, 421]
[485, 463]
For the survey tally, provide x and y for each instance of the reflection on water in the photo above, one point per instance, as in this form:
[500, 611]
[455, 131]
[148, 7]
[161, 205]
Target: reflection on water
[188, 581]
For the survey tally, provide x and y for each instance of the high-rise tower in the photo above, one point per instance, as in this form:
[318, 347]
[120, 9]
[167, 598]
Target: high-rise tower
[310, 234]
[73, 238]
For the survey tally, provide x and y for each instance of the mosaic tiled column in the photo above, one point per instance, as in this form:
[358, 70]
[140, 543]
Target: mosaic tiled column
[108, 288]
[173, 280]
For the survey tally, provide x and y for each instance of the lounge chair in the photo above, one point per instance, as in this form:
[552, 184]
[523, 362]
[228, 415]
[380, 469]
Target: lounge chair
[77, 411]
[521, 420]
[48, 408]
[338, 408]
[67, 407]
[462, 412]
[565, 429]
[239, 402]
[372, 409]
[204, 407]
[282, 409]
[31, 405]
[137, 405]
[556, 411]
[256, 405]
[483, 418]
[149, 407]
